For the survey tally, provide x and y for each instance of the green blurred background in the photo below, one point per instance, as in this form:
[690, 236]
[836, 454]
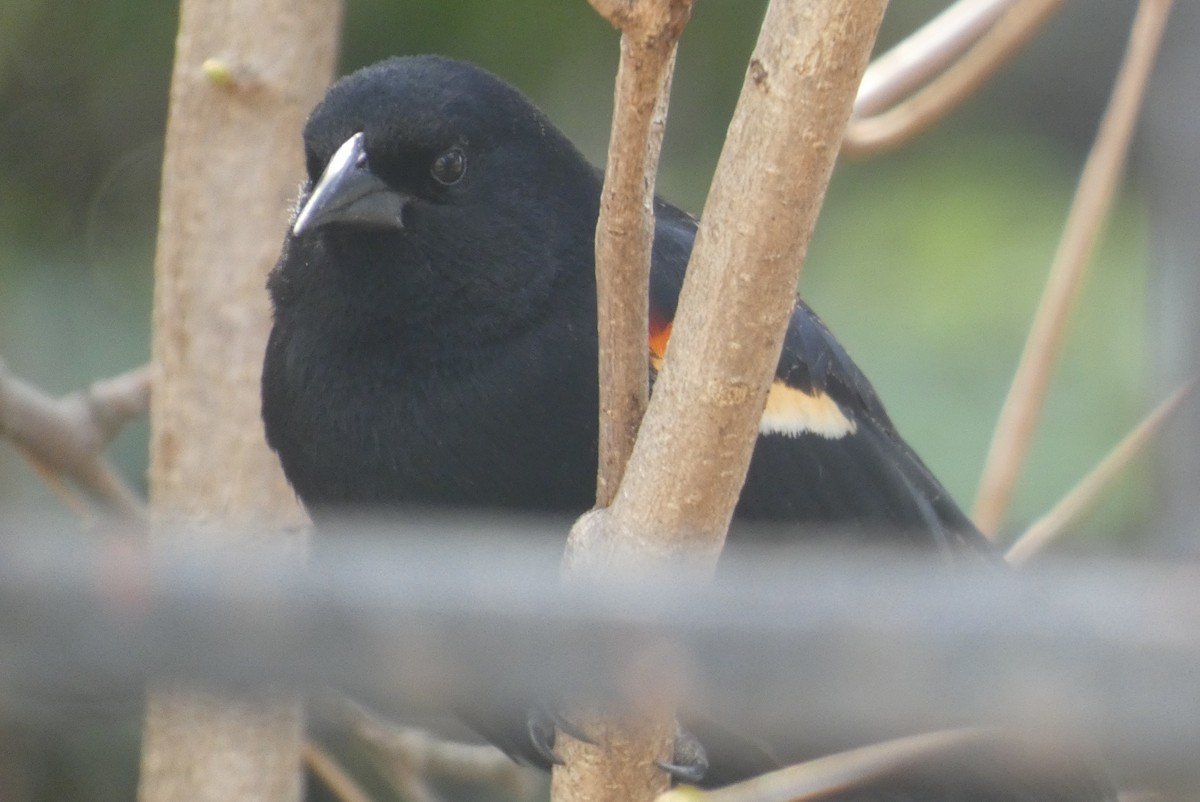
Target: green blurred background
[927, 262]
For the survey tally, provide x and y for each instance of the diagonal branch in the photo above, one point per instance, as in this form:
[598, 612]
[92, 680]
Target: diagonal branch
[650, 30]
[684, 477]
[817, 779]
[1097, 185]
[67, 436]
[937, 43]
[331, 774]
[677, 494]
[925, 52]
[1088, 491]
[410, 756]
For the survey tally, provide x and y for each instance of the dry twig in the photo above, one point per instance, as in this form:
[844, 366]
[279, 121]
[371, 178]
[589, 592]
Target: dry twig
[674, 505]
[332, 775]
[650, 30]
[1097, 185]
[1081, 498]
[740, 289]
[408, 755]
[926, 51]
[816, 779]
[67, 436]
[625, 232]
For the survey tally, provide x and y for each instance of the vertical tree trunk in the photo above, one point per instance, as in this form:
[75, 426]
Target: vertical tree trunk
[245, 76]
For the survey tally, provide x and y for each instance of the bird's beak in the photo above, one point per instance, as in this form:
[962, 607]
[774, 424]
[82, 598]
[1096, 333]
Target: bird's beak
[349, 193]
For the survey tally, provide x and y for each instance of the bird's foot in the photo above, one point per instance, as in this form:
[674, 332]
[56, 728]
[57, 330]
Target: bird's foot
[541, 723]
[689, 764]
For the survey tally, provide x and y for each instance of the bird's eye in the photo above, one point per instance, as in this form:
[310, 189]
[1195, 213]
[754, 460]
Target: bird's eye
[448, 168]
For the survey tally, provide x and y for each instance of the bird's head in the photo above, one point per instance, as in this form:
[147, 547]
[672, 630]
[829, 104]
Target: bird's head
[434, 180]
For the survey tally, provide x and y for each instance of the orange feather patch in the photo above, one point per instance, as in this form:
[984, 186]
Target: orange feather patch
[660, 334]
[789, 411]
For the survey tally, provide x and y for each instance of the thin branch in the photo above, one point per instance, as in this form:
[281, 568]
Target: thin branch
[816, 779]
[625, 231]
[1088, 491]
[677, 495]
[1098, 183]
[674, 503]
[408, 754]
[332, 775]
[71, 497]
[905, 120]
[650, 30]
[116, 401]
[925, 52]
[965, 749]
[67, 436]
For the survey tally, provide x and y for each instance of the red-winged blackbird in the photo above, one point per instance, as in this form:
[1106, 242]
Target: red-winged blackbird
[435, 340]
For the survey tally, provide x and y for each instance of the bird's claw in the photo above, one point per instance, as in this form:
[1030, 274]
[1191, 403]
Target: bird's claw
[570, 728]
[541, 723]
[689, 764]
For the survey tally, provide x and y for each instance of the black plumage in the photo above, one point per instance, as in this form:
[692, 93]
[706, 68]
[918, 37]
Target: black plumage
[446, 355]
[434, 337]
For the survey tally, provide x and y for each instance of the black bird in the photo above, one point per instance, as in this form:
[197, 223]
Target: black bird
[434, 339]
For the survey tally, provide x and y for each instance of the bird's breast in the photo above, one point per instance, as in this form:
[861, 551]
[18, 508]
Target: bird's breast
[494, 427]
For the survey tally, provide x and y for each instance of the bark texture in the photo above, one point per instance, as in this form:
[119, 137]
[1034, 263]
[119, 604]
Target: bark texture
[624, 237]
[633, 741]
[682, 481]
[245, 77]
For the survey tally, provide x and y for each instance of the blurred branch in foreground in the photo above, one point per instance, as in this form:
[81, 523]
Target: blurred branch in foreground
[410, 756]
[802, 646]
[952, 55]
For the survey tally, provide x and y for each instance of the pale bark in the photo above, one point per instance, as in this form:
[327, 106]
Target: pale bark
[624, 236]
[687, 469]
[246, 75]
[679, 488]
[621, 764]
[1090, 490]
[882, 121]
[1089, 209]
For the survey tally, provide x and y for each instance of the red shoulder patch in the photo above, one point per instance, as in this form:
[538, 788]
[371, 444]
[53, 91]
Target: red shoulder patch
[660, 334]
